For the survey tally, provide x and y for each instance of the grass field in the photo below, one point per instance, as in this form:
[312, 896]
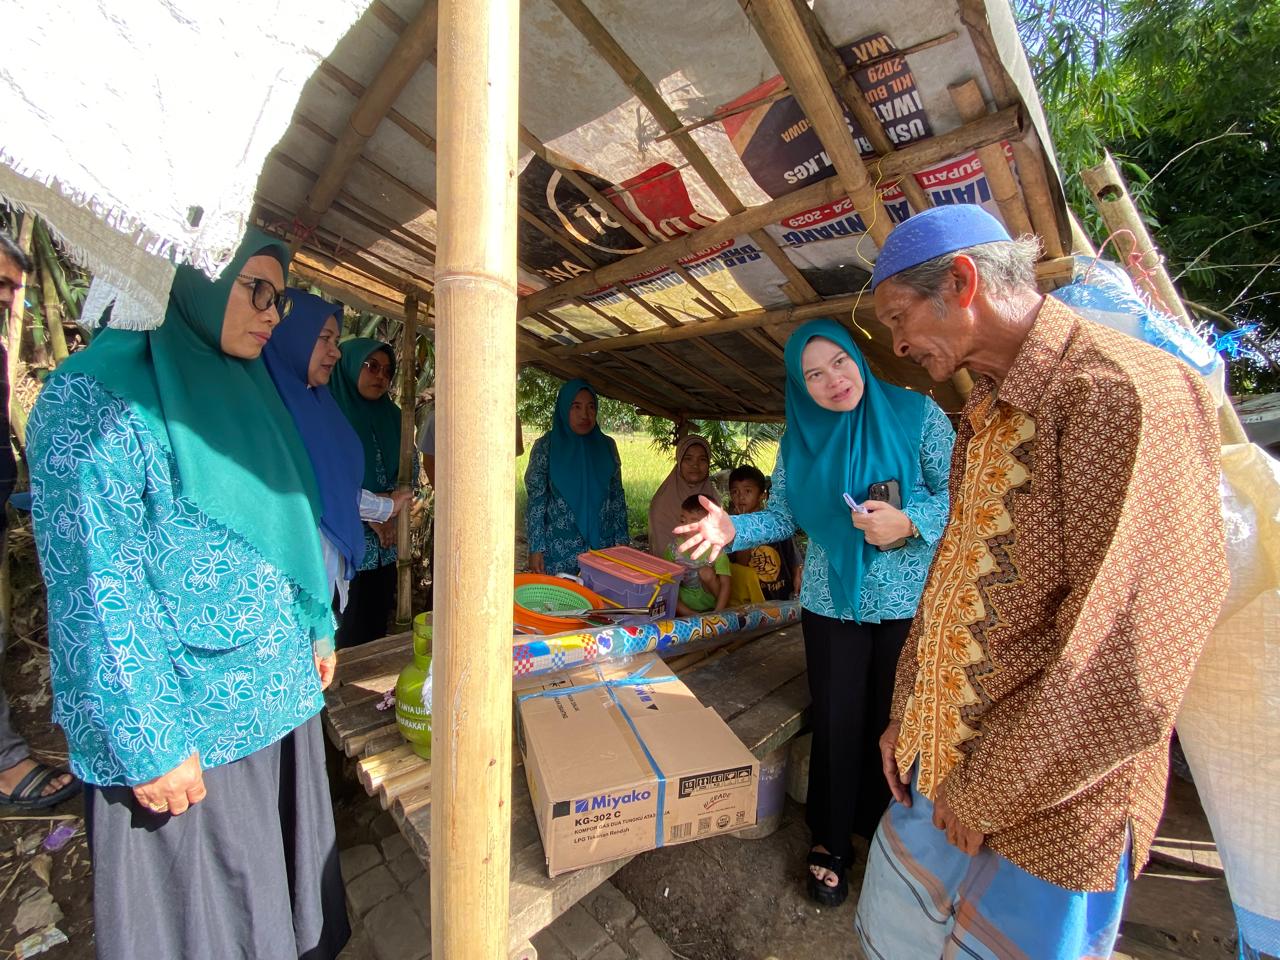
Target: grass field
[643, 470]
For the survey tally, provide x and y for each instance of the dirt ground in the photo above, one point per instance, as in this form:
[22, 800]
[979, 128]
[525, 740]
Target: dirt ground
[719, 899]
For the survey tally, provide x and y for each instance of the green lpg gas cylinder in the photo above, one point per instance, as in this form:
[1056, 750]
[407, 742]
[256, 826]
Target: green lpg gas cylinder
[413, 692]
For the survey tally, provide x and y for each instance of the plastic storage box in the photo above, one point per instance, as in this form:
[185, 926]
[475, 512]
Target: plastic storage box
[631, 578]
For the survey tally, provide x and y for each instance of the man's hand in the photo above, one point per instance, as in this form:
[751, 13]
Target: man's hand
[882, 524]
[175, 791]
[386, 533]
[958, 835]
[899, 785]
[325, 666]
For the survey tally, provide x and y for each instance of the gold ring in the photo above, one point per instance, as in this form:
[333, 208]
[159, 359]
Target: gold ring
[161, 809]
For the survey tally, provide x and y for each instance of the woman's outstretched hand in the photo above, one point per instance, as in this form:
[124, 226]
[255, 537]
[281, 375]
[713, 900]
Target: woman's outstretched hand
[714, 531]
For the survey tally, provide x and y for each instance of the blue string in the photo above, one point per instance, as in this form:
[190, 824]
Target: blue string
[636, 679]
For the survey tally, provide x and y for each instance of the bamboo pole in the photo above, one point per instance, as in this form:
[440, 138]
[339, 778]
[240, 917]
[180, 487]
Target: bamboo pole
[845, 84]
[1004, 125]
[408, 461]
[1004, 188]
[477, 105]
[13, 340]
[708, 328]
[50, 293]
[800, 67]
[1111, 197]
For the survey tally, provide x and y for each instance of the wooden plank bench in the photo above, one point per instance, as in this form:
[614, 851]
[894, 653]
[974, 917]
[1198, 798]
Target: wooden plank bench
[758, 687]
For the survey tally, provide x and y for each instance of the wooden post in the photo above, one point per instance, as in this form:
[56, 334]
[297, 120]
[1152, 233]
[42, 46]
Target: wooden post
[408, 461]
[477, 106]
[1111, 197]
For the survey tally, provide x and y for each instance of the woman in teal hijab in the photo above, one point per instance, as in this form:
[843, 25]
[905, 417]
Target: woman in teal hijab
[175, 516]
[361, 385]
[574, 483]
[848, 433]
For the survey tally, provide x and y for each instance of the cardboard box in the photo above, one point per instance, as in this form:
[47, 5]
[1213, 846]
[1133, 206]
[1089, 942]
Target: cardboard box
[623, 758]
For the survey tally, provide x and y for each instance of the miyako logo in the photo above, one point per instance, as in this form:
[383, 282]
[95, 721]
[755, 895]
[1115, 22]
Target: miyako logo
[610, 801]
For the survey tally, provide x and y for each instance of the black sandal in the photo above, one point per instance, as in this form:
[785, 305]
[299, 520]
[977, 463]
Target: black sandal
[29, 793]
[819, 890]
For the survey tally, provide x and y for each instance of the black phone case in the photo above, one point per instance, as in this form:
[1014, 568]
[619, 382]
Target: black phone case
[890, 492]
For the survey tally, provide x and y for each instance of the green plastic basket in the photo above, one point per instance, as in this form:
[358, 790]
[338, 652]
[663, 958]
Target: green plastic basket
[540, 597]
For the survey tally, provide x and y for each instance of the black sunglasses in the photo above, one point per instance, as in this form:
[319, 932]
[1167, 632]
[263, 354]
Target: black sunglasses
[265, 295]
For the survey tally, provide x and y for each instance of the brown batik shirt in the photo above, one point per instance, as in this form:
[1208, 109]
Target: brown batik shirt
[1080, 573]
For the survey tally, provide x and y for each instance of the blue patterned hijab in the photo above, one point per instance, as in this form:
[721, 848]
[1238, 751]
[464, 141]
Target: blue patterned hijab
[828, 453]
[335, 451]
[581, 466]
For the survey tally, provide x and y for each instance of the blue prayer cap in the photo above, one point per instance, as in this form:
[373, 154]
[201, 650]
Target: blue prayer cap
[934, 232]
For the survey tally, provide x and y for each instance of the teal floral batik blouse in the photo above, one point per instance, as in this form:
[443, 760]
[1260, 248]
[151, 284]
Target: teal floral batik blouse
[168, 634]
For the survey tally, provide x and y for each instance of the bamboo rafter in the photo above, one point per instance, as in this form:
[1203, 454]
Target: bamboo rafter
[781, 30]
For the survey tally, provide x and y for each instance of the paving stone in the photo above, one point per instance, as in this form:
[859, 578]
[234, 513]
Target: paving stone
[611, 951]
[371, 888]
[419, 894]
[611, 907]
[647, 945]
[579, 931]
[356, 860]
[406, 867]
[394, 845]
[384, 825]
[396, 931]
[549, 948]
[357, 947]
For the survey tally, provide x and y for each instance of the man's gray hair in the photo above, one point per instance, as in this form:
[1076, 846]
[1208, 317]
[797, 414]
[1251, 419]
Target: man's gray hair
[1004, 266]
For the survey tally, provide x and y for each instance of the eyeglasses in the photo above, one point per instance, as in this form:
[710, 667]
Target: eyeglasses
[377, 369]
[265, 295]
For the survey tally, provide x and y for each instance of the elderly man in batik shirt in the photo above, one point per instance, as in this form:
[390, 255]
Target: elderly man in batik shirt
[1079, 576]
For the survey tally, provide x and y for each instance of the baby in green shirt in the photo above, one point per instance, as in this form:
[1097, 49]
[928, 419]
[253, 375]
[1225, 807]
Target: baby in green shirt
[705, 586]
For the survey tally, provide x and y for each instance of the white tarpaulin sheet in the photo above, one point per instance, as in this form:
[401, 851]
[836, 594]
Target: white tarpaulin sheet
[138, 130]
[1230, 720]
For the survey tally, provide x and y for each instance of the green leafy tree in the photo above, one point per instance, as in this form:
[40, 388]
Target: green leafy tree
[1186, 95]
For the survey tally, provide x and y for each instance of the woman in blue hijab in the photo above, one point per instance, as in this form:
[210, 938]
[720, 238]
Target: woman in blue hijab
[301, 357]
[889, 449]
[574, 482]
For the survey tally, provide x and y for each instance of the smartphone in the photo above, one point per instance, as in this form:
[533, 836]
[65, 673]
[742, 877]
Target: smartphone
[890, 492]
[854, 505]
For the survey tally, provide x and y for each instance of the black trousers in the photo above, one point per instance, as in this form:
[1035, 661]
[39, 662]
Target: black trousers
[370, 600]
[851, 674]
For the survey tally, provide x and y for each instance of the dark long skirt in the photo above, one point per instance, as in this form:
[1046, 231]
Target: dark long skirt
[250, 872]
[852, 667]
[370, 600]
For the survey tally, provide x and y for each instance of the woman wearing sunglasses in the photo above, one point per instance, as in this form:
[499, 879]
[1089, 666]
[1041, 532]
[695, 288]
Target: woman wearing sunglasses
[360, 384]
[175, 514]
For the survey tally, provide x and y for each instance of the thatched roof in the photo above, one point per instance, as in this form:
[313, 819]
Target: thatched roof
[689, 188]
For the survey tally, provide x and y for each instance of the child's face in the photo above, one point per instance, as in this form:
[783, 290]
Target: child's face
[745, 495]
[691, 516]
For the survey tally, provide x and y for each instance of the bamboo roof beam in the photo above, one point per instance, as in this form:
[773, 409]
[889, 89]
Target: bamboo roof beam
[781, 29]
[412, 47]
[967, 97]
[1007, 124]
[634, 79]
[1027, 152]
[570, 370]
[842, 79]
[836, 306]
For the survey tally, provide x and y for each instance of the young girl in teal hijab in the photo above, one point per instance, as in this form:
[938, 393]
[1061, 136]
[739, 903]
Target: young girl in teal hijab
[574, 483]
[361, 385]
[175, 517]
[848, 431]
